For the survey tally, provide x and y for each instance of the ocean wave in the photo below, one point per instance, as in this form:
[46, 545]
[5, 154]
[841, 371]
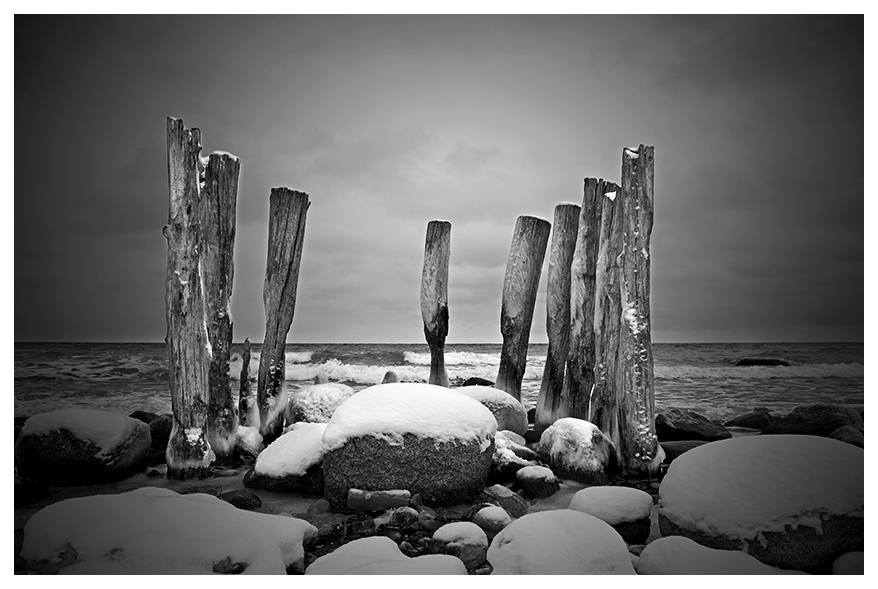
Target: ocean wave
[465, 359]
[851, 370]
[374, 374]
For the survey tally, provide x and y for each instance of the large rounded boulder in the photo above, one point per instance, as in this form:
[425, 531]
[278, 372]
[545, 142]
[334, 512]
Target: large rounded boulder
[507, 410]
[793, 502]
[816, 420]
[292, 463]
[316, 403]
[81, 446]
[576, 449]
[417, 437]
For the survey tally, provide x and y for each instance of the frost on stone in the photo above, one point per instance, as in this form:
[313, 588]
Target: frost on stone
[294, 452]
[559, 542]
[380, 555]
[156, 531]
[388, 411]
[676, 555]
[104, 429]
[460, 533]
[743, 487]
[614, 505]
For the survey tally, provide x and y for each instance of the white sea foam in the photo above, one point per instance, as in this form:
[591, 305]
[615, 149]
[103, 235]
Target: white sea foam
[453, 358]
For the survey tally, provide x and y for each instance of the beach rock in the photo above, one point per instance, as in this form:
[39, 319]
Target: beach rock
[381, 556]
[360, 500]
[511, 503]
[316, 403]
[492, 519]
[403, 517]
[144, 416]
[815, 420]
[849, 434]
[850, 563]
[411, 436]
[681, 424]
[155, 457]
[532, 415]
[321, 378]
[677, 555]
[242, 499]
[760, 361]
[81, 446]
[465, 540]
[292, 463]
[791, 501]
[674, 449]
[160, 431]
[627, 510]
[28, 491]
[476, 381]
[537, 482]
[576, 449]
[508, 459]
[507, 410]
[389, 376]
[752, 420]
[559, 542]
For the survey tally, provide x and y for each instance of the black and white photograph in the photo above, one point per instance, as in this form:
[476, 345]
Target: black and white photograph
[452, 292]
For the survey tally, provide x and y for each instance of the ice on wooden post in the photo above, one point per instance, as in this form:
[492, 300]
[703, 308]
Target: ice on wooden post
[520, 284]
[189, 352]
[217, 266]
[551, 403]
[434, 296]
[286, 232]
[248, 410]
[638, 445]
[603, 408]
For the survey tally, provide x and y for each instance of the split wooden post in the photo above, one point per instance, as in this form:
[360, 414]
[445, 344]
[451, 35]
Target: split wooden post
[286, 233]
[244, 394]
[552, 403]
[640, 451]
[520, 285]
[188, 453]
[217, 266]
[434, 296]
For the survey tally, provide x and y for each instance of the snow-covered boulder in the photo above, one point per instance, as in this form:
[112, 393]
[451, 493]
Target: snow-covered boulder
[316, 403]
[508, 411]
[537, 482]
[492, 519]
[248, 440]
[509, 457]
[676, 555]
[794, 502]
[379, 555]
[465, 540]
[408, 436]
[559, 542]
[511, 502]
[156, 531]
[849, 434]
[815, 420]
[293, 463]
[576, 449]
[81, 446]
[849, 563]
[624, 508]
[682, 424]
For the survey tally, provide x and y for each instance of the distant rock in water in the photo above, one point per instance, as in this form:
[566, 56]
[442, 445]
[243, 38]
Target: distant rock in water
[390, 376]
[762, 362]
[476, 381]
[673, 424]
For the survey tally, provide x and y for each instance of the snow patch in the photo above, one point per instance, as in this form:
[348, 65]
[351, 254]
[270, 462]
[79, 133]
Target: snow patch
[294, 452]
[380, 555]
[614, 505]
[610, 195]
[677, 555]
[461, 533]
[103, 428]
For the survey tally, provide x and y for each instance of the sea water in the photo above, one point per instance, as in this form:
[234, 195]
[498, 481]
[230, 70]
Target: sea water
[123, 377]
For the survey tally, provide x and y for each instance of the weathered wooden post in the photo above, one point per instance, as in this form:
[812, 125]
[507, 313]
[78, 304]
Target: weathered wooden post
[603, 409]
[579, 382]
[286, 234]
[552, 403]
[520, 285]
[217, 267]
[244, 393]
[188, 453]
[434, 296]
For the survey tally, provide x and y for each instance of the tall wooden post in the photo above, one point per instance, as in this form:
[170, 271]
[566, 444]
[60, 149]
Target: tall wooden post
[244, 401]
[286, 233]
[188, 453]
[552, 401]
[434, 296]
[635, 380]
[217, 265]
[520, 284]
[603, 410]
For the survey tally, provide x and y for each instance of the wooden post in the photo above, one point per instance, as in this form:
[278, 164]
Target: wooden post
[552, 403]
[188, 453]
[639, 447]
[434, 296]
[520, 284]
[217, 266]
[244, 400]
[286, 233]
[603, 410]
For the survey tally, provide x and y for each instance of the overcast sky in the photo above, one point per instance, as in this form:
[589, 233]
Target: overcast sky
[390, 122]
